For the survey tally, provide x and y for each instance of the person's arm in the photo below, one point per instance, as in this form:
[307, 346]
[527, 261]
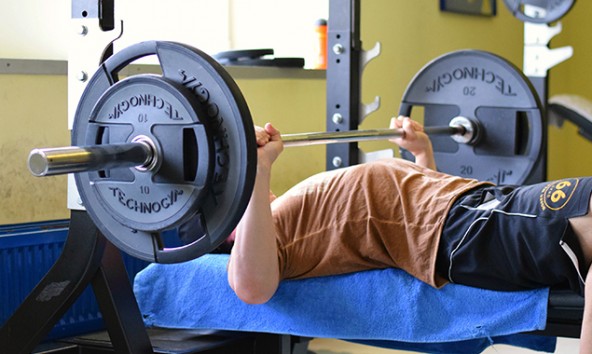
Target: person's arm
[586, 334]
[253, 269]
[415, 140]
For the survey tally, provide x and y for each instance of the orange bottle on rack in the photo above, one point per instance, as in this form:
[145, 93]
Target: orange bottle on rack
[321, 31]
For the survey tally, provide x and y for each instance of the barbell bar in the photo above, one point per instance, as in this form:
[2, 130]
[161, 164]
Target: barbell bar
[142, 154]
[323, 138]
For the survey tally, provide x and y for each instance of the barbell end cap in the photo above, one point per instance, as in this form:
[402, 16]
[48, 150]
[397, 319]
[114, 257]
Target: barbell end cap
[37, 163]
[470, 130]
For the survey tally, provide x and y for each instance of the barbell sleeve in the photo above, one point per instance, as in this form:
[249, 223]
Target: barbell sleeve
[56, 161]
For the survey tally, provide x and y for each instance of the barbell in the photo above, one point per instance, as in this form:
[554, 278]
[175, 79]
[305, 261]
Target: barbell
[142, 154]
[165, 163]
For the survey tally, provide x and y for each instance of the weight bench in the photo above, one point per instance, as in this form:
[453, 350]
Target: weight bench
[211, 293]
[564, 314]
[196, 295]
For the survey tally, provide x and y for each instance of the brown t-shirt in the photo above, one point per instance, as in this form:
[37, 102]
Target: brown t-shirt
[387, 213]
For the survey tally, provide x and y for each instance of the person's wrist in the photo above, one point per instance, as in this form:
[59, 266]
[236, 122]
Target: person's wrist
[264, 168]
[425, 150]
[424, 153]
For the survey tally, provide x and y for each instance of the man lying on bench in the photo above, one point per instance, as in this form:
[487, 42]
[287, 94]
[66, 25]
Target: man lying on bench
[394, 213]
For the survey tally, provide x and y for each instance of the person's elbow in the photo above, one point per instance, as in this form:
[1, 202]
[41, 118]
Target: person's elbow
[255, 290]
[252, 296]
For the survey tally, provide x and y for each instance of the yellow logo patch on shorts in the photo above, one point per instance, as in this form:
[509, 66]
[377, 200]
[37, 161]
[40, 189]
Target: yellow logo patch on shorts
[556, 195]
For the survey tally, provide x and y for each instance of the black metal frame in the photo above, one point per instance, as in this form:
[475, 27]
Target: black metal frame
[343, 78]
[564, 314]
[86, 259]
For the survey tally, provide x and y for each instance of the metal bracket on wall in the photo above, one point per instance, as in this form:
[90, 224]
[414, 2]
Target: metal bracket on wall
[538, 60]
[365, 57]
[538, 57]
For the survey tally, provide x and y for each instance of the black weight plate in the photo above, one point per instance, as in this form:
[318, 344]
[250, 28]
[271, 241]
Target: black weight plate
[544, 11]
[491, 91]
[221, 190]
[272, 62]
[153, 107]
[237, 55]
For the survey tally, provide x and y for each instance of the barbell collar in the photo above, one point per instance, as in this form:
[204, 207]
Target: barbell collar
[472, 130]
[72, 159]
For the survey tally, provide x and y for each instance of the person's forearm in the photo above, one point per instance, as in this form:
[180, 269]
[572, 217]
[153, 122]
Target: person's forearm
[253, 271]
[426, 159]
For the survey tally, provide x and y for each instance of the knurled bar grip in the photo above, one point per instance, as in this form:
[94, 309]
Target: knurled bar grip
[56, 161]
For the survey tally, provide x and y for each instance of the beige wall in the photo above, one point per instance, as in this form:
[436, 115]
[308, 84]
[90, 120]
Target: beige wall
[33, 108]
[32, 114]
[294, 106]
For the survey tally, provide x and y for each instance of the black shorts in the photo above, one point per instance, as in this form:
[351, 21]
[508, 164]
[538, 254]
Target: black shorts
[516, 238]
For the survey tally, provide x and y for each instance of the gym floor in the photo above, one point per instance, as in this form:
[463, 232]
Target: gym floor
[334, 346]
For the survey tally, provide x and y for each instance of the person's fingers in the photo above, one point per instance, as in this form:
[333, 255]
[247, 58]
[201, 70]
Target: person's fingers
[274, 134]
[261, 135]
[409, 129]
[399, 121]
[416, 126]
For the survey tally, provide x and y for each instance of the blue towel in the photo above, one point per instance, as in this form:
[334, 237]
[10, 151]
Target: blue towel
[378, 305]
